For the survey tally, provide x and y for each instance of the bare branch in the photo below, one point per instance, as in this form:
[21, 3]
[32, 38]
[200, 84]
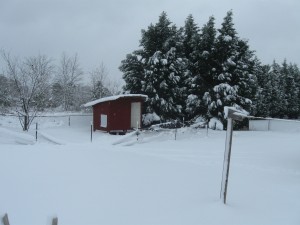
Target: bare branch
[31, 80]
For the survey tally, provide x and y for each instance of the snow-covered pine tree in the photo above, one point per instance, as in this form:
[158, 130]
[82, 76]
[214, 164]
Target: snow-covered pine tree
[190, 33]
[158, 37]
[133, 73]
[206, 61]
[294, 70]
[158, 69]
[165, 75]
[291, 91]
[276, 92]
[261, 102]
[203, 65]
[234, 76]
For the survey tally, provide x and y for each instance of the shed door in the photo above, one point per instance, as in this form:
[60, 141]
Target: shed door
[135, 115]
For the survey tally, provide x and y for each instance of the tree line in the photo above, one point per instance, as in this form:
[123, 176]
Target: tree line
[35, 84]
[191, 71]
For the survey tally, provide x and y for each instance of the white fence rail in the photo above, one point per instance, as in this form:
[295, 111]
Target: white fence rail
[274, 125]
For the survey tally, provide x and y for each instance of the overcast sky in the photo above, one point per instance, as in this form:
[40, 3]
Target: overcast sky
[105, 31]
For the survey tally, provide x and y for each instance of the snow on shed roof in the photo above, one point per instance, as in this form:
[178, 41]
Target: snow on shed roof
[115, 97]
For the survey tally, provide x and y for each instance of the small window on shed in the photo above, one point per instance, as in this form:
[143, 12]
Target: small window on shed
[103, 120]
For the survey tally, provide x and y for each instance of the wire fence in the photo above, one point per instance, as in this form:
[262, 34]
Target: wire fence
[47, 116]
[255, 123]
[58, 115]
[5, 220]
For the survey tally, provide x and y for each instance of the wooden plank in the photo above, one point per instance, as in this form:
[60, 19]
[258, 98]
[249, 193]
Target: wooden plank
[5, 219]
[232, 114]
[227, 156]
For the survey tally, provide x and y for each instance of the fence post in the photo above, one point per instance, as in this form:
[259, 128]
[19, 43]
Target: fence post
[228, 143]
[69, 120]
[137, 131]
[55, 221]
[207, 129]
[5, 219]
[36, 131]
[226, 163]
[175, 130]
[91, 132]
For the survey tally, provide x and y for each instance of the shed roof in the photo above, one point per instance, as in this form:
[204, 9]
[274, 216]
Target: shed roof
[115, 97]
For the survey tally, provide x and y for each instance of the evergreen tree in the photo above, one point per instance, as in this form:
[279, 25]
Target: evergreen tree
[164, 84]
[133, 73]
[278, 91]
[294, 70]
[190, 33]
[158, 69]
[261, 102]
[278, 87]
[158, 37]
[56, 93]
[292, 91]
[203, 65]
[234, 78]
[190, 72]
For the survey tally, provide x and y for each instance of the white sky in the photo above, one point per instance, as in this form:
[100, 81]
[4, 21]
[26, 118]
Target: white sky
[108, 30]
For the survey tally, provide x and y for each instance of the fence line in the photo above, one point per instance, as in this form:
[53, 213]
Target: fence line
[275, 124]
[5, 220]
[64, 115]
[270, 118]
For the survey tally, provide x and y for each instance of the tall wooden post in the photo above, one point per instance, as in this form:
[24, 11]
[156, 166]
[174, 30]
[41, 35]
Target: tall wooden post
[226, 163]
[228, 143]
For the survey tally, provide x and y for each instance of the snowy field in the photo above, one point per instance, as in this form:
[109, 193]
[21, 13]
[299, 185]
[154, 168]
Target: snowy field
[155, 180]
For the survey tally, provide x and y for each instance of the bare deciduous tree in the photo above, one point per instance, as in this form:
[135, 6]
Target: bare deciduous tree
[5, 84]
[68, 77]
[31, 82]
[114, 87]
[99, 82]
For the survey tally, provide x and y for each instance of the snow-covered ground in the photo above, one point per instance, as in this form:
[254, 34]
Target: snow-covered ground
[153, 180]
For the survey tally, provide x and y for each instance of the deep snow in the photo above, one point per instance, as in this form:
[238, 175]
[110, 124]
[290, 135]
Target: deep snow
[155, 180]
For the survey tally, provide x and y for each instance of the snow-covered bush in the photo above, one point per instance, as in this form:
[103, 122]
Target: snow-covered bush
[215, 124]
[199, 122]
[150, 118]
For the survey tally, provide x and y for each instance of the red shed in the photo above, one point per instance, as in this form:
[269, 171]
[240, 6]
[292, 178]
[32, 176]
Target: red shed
[117, 113]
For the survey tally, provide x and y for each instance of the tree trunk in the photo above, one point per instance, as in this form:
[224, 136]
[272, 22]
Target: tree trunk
[26, 122]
